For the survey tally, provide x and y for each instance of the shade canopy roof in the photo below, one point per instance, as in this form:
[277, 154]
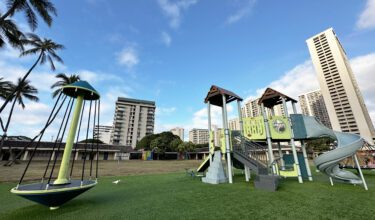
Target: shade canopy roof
[272, 97]
[81, 88]
[215, 96]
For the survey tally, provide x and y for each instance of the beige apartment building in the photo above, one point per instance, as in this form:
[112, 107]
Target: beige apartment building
[179, 132]
[345, 105]
[133, 120]
[103, 133]
[312, 103]
[198, 136]
[234, 124]
[252, 109]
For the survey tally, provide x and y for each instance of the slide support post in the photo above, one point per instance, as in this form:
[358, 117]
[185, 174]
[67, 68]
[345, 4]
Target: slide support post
[360, 172]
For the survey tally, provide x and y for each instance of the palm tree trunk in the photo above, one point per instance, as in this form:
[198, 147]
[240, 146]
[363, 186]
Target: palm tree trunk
[23, 79]
[6, 129]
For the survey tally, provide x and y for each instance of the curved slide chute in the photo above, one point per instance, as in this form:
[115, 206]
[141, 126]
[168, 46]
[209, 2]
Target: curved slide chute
[347, 146]
[308, 127]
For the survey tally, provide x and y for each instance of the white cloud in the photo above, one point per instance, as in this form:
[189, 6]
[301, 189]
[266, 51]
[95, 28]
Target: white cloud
[9, 53]
[244, 10]
[300, 79]
[166, 38]
[367, 17]
[128, 57]
[97, 77]
[363, 68]
[173, 10]
[41, 80]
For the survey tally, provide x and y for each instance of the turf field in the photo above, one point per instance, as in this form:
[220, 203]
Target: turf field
[172, 194]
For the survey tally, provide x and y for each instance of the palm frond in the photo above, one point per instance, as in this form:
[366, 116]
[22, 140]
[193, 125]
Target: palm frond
[64, 80]
[43, 8]
[30, 16]
[51, 63]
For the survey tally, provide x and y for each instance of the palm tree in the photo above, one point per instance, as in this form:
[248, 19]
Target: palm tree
[23, 90]
[9, 32]
[46, 49]
[64, 80]
[5, 88]
[44, 8]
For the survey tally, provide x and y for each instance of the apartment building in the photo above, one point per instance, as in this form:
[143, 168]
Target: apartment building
[345, 105]
[133, 120]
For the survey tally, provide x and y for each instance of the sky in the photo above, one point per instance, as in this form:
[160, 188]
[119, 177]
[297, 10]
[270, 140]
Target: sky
[171, 52]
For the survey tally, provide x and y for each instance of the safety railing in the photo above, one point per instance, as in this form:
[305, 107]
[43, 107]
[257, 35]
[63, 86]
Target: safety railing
[250, 150]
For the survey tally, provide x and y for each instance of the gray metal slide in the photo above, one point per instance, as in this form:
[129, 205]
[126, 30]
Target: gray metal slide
[347, 145]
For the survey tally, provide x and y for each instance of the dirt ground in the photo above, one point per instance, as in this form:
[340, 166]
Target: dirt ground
[106, 168]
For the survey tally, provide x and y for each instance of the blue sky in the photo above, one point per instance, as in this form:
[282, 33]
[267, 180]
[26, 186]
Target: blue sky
[171, 52]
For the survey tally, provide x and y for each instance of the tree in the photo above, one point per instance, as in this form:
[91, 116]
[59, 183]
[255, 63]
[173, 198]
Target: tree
[5, 88]
[157, 143]
[91, 141]
[23, 90]
[186, 147]
[46, 49]
[9, 32]
[175, 143]
[167, 138]
[44, 8]
[64, 80]
[145, 142]
[322, 144]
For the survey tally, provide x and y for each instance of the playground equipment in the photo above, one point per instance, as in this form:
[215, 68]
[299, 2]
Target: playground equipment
[253, 145]
[215, 173]
[55, 192]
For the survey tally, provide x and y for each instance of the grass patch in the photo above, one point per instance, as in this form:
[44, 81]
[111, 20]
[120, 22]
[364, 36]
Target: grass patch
[178, 196]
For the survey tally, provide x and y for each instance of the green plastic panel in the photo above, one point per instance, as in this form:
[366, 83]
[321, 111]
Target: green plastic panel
[254, 128]
[280, 128]
[212, 142]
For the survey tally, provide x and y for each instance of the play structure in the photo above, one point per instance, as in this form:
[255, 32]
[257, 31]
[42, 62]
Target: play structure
[51, 191]
[254, 147]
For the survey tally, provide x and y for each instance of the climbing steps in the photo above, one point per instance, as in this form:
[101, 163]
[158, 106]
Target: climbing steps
[252, 155]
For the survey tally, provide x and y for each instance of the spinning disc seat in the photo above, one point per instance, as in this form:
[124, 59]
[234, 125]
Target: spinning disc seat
[54, 193]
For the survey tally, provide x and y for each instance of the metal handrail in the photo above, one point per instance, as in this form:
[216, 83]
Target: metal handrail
[251, 149]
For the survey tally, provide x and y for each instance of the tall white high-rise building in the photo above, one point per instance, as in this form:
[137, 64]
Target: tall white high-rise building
[198, 136]
[133, 120]
[103, 133]
[346, 107]
[312, 103]
[179, 132]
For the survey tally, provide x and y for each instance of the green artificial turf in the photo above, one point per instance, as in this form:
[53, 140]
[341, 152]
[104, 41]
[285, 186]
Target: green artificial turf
[179, 196]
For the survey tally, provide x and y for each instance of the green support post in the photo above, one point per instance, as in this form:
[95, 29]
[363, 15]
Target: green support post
[63, 172]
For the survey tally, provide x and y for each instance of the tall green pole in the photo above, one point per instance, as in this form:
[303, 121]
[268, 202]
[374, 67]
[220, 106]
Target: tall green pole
[64, 167]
